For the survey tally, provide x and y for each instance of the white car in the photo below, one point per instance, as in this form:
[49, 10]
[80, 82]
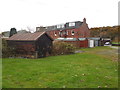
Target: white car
[107, 44]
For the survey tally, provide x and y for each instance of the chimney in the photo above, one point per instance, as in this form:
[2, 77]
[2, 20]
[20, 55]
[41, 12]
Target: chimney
[84, 20]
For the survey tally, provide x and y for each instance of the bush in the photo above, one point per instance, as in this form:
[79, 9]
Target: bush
[6, 50]
[60, 48]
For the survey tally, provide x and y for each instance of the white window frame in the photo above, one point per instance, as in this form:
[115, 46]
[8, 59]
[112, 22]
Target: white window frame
[67, 32]
[60, 33]
[60, 26]
[55, 33]
[71, 24]
[64, 32]
[72, 32]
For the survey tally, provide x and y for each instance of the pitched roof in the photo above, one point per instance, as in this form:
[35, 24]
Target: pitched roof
[26, 36]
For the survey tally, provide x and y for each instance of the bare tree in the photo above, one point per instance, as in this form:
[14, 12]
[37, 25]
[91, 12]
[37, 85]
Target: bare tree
[30, 29]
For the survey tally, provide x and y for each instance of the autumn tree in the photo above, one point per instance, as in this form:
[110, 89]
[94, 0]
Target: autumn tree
[105, 32]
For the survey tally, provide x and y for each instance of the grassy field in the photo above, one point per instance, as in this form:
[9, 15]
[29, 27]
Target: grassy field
[90, 69]
[115, 42]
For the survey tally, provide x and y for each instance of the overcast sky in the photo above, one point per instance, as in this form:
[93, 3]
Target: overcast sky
[31, 13]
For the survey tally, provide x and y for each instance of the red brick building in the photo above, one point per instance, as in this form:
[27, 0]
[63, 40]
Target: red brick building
[76, 29]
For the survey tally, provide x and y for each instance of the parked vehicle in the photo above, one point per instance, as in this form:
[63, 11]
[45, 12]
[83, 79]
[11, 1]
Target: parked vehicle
[107, 44]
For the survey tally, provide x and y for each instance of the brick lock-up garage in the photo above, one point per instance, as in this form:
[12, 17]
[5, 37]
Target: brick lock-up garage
[83, 42]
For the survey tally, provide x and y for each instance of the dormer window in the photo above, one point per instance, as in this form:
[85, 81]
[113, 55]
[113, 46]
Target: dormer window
[72, 32]
[60, 26]
[38, 29]
[54, 27]
[71, 24]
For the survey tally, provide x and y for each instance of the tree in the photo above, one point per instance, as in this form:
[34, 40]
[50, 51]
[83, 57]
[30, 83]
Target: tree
[12, 31]
[22, 31]
[105, 32]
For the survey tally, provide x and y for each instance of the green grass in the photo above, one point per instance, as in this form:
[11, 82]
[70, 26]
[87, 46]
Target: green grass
[0, 73]
[82, 70]
[115, 42]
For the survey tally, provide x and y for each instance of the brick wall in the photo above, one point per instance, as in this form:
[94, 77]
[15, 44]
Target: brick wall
[81, 32]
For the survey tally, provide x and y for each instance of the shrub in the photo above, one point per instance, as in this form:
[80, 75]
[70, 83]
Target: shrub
[6, 50]
[60, 48]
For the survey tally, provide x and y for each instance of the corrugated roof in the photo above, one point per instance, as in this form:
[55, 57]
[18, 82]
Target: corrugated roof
[26, 36]
[95, 38]
[81, 39]
[67, 39]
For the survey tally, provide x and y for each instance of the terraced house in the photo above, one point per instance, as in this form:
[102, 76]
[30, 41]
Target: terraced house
[75, 29]
[69, 31]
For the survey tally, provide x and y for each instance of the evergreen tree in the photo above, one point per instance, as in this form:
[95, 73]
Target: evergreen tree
[12, 31]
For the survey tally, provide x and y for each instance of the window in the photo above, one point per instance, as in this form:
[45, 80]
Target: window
[64, 32]
[72, 32]
[54, 27]
[55, 33]
[60, 34]
[71, 24]
[67, 32]
[60, 26]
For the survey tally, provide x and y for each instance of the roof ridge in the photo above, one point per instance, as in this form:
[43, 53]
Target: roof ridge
[39, 35]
